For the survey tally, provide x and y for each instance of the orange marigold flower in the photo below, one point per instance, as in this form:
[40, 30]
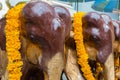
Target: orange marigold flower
[12, 29]
[81, 52]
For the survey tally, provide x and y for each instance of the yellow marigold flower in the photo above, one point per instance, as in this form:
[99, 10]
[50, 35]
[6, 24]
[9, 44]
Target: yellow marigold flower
[12, 29]
[81, 52]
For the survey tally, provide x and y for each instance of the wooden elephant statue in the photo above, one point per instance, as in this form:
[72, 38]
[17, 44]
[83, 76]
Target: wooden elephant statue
[98, 39]
[43, 36]
[98, 35]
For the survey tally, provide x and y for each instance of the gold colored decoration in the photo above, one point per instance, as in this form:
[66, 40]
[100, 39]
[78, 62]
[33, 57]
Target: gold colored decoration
[98, 70]
[12, 30]
[81, 52]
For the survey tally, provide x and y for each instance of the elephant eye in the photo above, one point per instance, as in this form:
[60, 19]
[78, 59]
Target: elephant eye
[89, 24]
[95, 39]
[29, 22]
[39, 41]
[31, 37]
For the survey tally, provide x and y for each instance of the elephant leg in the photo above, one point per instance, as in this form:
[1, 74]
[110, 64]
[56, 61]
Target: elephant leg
[5, 76]
[72, 69]
[55, 67]
[109, 68]
[3, 65]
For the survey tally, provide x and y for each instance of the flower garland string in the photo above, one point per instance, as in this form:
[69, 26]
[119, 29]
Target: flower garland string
[98, 70]
[12, 30]
[81, 52]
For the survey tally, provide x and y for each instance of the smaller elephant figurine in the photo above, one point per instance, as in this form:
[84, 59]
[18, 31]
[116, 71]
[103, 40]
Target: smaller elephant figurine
[99, 37]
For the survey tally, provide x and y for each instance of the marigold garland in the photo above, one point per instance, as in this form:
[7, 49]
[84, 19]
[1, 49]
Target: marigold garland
[81, 52]
[12, 30]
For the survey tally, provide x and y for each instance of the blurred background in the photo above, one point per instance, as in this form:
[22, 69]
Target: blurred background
[110, 7]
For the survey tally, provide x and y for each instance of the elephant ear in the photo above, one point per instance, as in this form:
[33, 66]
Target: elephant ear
[107, 19]
[98, 34]
[2, 34]
[116, 25]
[3, 54]
[64, 14]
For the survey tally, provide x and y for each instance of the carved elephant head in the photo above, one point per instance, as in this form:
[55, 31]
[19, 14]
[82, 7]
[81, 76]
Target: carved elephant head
[43, 35]
[97, 34]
